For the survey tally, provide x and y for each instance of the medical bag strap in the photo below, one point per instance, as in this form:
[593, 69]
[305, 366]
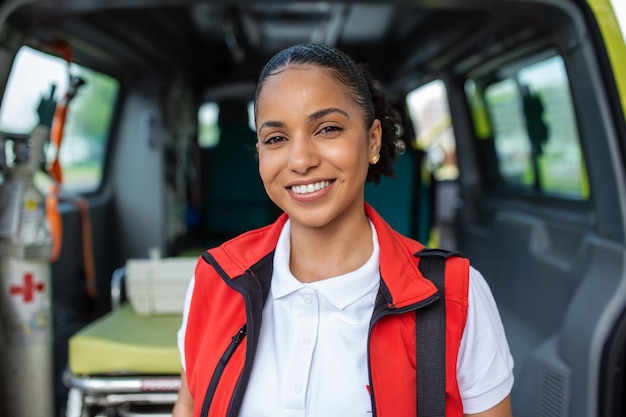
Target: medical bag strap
[430, 342]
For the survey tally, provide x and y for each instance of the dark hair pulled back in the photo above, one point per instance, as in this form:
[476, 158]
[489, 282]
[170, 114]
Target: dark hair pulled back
[362, 89]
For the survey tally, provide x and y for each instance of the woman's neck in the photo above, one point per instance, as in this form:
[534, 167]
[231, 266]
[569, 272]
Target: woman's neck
[321, 253]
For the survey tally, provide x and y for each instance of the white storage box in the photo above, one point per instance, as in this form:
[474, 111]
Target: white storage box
[158, 286]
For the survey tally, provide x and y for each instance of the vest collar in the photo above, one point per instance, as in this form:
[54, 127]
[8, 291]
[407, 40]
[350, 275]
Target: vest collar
[403, 284]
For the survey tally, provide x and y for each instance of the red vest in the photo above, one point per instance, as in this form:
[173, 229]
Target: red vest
[232, 282]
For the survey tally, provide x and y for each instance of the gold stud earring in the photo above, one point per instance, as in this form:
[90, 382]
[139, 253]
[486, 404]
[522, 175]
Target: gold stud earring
[375, 159]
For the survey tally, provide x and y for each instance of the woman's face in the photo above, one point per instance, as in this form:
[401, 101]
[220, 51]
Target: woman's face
[314, 147]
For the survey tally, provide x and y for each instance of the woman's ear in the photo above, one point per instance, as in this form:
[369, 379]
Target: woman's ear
[375, 138]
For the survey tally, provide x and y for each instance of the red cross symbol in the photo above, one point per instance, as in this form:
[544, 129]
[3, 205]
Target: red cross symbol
[28, 288]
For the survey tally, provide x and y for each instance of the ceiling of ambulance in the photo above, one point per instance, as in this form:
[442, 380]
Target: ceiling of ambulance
[226, 41]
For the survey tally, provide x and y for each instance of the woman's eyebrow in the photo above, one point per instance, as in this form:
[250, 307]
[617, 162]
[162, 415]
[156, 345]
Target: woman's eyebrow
[321, 113]
[271, 123]
[315, 116]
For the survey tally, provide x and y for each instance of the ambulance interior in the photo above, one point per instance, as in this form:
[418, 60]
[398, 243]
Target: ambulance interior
[515, 145]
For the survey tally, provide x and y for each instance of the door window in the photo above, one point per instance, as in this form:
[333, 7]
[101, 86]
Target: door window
[535, 131]
[430, 114]
[36, 82]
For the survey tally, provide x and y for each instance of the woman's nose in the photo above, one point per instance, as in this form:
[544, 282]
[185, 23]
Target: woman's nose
[303, 156]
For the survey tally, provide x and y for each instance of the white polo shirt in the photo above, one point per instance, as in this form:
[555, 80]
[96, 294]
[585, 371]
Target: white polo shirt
[311, 358]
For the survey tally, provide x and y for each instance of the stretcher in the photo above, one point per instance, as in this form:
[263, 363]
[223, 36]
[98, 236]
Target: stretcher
[126, 363]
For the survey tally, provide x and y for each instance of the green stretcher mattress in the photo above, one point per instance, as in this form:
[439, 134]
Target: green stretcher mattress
[123, 342]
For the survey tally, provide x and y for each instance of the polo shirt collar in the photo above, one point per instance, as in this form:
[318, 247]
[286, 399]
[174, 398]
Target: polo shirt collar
[341, 291]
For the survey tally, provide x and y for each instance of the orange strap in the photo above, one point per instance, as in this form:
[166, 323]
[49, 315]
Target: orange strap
[56, 173]
[56, 230]
[56, 137]
[55, 222]
[60, 114]
[55, 170]
[88, 258]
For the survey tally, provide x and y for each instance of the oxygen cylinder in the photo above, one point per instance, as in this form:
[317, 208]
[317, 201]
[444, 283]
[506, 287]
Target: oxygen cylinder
[25, 297]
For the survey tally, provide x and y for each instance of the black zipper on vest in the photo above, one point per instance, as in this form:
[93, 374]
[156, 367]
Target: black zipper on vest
[254, 293]
[380, 311]
[219, 369]
[253, 335]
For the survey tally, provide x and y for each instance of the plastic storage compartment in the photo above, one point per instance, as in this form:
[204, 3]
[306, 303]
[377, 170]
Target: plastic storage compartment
[158, 286]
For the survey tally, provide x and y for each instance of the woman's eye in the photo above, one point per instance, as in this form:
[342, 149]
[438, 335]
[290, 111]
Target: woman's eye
[330, 129]
[272, 140]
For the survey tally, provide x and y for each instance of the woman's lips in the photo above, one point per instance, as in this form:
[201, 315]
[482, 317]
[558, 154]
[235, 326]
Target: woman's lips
[310, 191]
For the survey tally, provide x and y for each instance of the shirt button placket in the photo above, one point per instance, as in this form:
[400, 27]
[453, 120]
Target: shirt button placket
[301, 354]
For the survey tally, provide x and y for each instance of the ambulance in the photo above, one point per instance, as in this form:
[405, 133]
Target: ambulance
[127, 148]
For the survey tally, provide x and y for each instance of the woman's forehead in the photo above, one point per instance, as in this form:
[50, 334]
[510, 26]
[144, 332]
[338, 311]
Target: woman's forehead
[302, 71]
[303, 83]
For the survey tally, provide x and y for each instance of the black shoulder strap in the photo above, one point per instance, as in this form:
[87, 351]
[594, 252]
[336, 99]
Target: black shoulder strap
[430, 343]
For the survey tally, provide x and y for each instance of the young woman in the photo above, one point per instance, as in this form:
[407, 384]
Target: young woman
[315, 315]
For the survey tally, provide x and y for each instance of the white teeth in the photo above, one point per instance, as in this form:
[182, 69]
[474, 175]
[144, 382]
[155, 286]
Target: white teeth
[309, 188]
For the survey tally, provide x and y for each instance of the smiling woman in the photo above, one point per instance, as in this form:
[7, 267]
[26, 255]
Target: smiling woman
[513, 116]
[331, 268]
[319, 139]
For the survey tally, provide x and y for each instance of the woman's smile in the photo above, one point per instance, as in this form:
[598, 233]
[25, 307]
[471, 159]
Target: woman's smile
[310, 188]
[310, 191]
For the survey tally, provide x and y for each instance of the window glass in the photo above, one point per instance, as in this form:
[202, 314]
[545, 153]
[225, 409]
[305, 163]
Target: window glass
[511, 140]
[251, 116]
[534, 130]
[37, 81]
[208, 123]
[208, 129]
[430, 113]
[429, 109]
